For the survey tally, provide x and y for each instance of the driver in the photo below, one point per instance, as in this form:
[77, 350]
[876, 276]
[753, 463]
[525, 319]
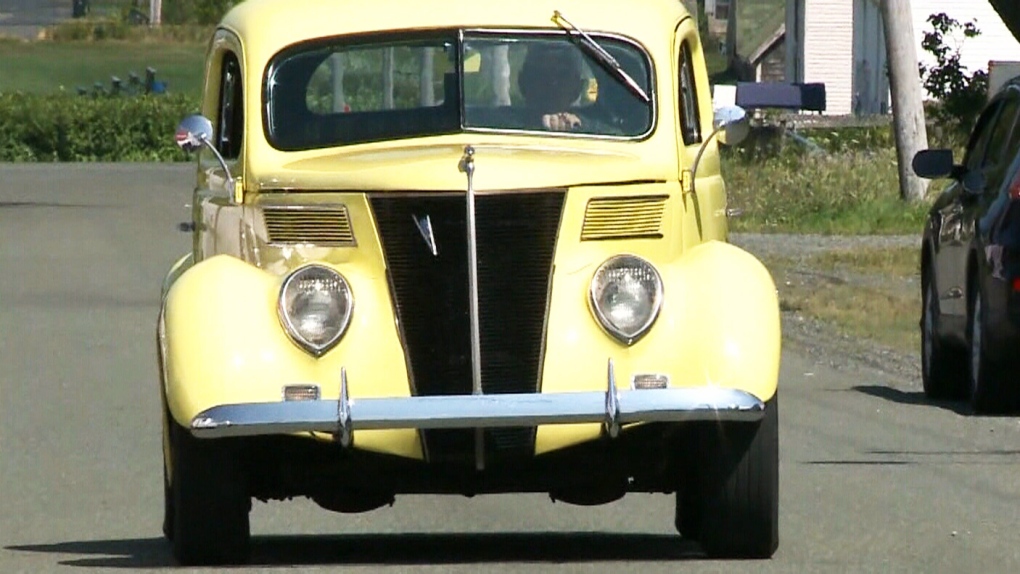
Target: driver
[551, 82]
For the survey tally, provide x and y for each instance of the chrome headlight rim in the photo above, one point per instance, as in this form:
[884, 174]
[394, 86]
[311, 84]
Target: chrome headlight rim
[604, 322]
[292, 331]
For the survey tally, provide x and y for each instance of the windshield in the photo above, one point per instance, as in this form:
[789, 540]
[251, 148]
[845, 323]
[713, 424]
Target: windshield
[324, 94]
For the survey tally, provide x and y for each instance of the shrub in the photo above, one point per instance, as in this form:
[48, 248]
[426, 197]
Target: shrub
[195, 11]
[845, 192]
[959, 95]
[70, 128]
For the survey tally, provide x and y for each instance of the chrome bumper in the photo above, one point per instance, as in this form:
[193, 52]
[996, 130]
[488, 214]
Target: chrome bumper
[612, 408]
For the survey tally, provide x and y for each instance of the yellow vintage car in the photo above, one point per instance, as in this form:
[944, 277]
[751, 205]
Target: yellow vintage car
[461, 247]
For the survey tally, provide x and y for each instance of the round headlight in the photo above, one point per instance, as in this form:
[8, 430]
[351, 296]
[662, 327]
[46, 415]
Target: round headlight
[626, 293]
[315, 307]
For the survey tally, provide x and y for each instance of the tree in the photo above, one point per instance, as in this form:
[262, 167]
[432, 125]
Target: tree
[960, 95]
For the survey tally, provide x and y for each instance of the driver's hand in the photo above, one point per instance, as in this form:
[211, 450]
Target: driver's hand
[561, 122]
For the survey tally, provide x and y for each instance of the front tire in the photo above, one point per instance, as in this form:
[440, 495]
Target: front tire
[942, 365]
[210, 502]
[732, 506]
[985, 376]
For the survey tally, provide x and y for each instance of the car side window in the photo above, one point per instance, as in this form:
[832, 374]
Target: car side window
[980, 136]
[999, 142]
[230, 127]
[690, 125]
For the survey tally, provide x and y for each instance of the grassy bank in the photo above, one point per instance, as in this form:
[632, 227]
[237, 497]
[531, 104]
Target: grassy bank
[847, 192]
[865, 293]
[48, 67]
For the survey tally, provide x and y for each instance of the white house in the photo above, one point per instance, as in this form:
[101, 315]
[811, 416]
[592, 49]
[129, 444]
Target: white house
[841, 43]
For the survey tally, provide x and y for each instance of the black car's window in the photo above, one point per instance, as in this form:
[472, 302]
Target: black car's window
[980, 136]
[230, 127]
[337, 92]
[997, 150]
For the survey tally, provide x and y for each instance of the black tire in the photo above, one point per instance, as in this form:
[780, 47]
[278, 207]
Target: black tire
[732, 508]
[943, 366]
[985, 376]
[210, 502]
[168, 508]
[168, 497]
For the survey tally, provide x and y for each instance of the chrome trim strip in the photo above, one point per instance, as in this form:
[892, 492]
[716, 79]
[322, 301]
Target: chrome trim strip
[344, 432]
[467, 165]
[479, 411]
[612, 404]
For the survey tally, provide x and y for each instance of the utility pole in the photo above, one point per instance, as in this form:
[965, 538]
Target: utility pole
[155, 12]
[905, 85]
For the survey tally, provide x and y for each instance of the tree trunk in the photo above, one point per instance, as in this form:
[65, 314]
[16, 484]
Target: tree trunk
[905, 85]
[426, 87]
[339, 99]
[387, 79]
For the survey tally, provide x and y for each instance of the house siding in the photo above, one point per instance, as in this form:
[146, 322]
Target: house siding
[828, 49]
[772, 68]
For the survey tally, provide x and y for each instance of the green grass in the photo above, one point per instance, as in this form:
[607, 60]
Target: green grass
[884, 311]
[851, 192]
[45, 67]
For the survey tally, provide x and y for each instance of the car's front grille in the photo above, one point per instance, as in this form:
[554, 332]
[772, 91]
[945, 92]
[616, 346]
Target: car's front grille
[327, 225]
[623, 218]
[516, 239]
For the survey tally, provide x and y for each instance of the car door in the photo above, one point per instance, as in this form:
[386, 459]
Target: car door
[990, 208]
[703, 192]
[952, 220]
[216, 205]
[979, 204]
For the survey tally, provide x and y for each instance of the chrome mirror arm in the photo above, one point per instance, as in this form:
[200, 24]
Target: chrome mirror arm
[725, 118]
[231, 182]
[196, 131]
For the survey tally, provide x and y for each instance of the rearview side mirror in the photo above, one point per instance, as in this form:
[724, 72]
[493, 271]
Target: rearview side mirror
[194, 132]
[732, 125]
[933, 163]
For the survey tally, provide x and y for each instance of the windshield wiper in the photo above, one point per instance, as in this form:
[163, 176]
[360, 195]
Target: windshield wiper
[602, 56]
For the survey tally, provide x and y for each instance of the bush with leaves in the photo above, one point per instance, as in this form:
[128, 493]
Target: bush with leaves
[959, 95]
[196, 11]
[71, 128]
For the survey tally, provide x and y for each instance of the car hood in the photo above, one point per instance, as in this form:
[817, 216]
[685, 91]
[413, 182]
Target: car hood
[435, 168]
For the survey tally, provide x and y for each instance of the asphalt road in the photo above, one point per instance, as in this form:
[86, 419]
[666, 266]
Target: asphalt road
[24, 18]
[874, 479]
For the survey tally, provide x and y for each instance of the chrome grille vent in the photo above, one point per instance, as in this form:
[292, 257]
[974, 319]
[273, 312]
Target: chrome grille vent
[329, 226]
[623, 218]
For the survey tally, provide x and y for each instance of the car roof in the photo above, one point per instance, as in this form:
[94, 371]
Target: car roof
[267, 26]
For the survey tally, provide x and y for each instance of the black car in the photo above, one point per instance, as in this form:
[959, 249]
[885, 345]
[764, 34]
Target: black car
[970, 264]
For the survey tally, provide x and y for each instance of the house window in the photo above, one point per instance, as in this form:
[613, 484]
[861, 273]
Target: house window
[230, 128]
[722, 9]
[690, 125]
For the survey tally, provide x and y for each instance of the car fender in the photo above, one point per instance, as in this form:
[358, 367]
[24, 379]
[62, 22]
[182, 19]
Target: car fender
[719, 326]
[223, 343]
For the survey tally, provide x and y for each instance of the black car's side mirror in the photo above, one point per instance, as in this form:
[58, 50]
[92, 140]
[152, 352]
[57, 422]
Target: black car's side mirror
[934, 163]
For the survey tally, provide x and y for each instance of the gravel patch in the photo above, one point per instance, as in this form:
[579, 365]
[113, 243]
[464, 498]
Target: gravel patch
[821, 342]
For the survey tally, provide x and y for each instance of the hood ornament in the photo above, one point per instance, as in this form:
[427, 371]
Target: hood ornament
[424, 225]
